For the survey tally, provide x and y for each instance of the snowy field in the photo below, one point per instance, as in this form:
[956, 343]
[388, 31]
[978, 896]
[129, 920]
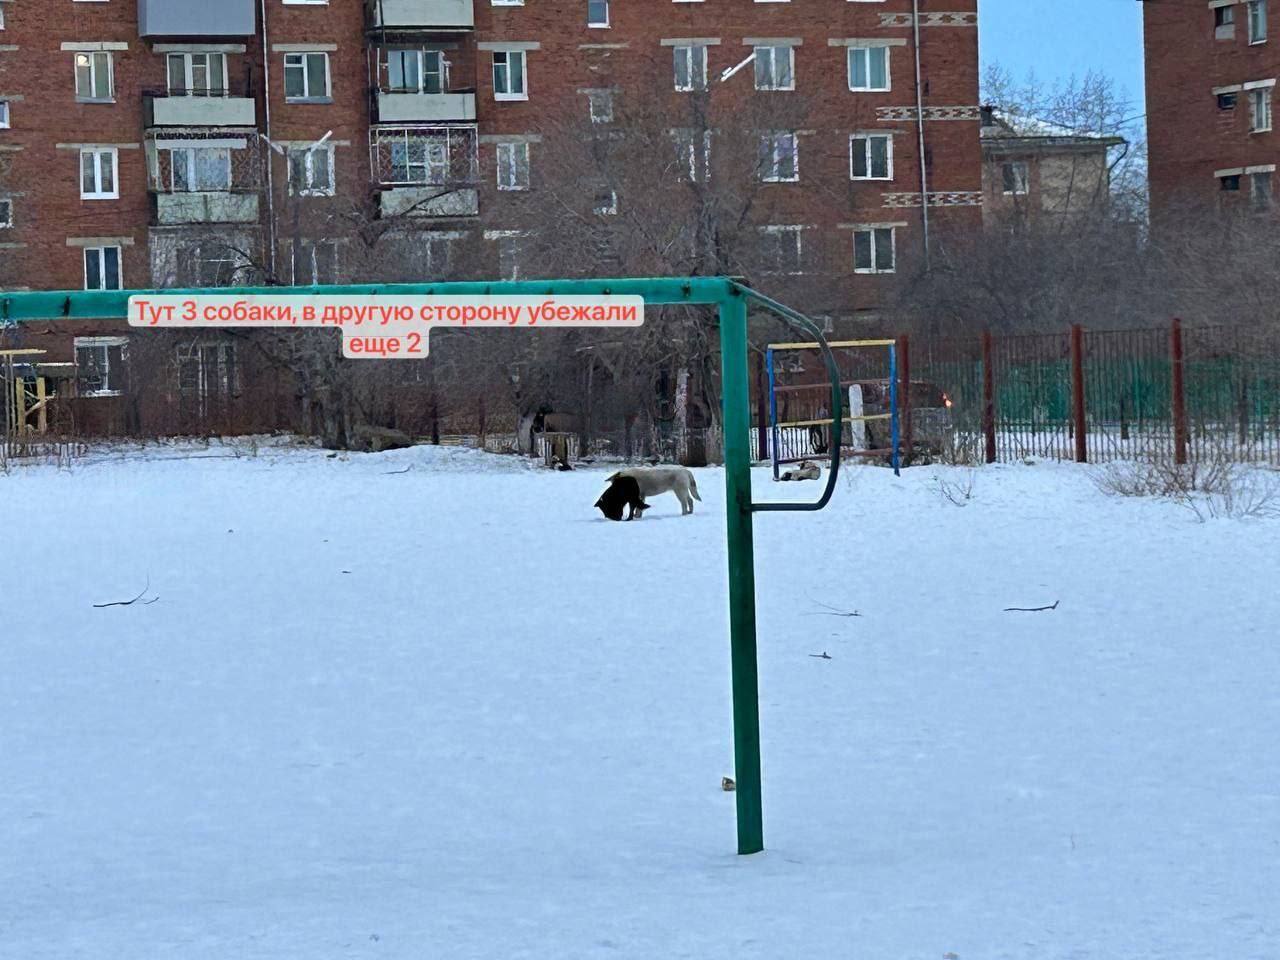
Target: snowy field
[428, 705]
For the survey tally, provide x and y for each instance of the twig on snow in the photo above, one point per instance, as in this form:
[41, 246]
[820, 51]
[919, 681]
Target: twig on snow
[1052, 606]
[390, 473]
[129, 603]
[830, 611]
[821, 656]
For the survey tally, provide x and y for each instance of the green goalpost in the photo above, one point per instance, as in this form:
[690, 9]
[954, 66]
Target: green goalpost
[730, 299]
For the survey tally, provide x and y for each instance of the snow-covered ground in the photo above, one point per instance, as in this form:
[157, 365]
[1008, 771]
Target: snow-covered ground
[450, 712]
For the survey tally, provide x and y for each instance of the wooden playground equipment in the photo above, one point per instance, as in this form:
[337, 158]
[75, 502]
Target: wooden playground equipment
[28, 386]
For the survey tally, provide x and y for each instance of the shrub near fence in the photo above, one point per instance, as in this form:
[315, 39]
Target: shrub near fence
[1170, 393]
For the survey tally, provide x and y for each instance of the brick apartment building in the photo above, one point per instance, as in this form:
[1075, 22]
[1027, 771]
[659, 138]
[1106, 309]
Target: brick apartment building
[1211, 72]
[226, 142]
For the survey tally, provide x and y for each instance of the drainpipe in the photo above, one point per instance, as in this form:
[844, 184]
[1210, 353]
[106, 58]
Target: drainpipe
[924, 175]
[271, 190]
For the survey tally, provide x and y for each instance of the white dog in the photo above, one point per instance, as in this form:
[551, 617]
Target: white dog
[808, 470]
[655, 480]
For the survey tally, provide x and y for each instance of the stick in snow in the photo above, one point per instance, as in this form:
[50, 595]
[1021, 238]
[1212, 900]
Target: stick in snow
[391, 473]
[128, 603]
[1052, 606]
[821, 656]
[831, 611]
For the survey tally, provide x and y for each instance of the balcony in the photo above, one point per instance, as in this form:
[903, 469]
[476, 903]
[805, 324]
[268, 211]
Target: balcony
[403, 107]
[421, 14]
[200, 111]
[196, 18]
[426, 171]
[220, 206]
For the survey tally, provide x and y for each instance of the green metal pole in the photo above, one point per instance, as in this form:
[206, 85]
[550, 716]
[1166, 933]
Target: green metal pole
[742, 575]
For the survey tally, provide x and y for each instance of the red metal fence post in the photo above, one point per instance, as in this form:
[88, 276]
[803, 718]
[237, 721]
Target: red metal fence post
[904, 390]
[1077, 393]
[988, 398]
[1179, 399]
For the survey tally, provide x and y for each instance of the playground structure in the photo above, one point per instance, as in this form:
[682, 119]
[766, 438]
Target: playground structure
[28, 387]
[806, 429]
[730, 300]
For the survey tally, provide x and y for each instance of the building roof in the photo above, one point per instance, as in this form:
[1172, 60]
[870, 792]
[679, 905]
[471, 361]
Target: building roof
[1004, 133]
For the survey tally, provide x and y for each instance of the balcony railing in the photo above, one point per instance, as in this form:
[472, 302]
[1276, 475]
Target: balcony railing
[204, 175]
[426, 15]
[196, 18]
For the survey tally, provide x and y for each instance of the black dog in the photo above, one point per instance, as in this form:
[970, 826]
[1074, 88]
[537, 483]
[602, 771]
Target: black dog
[622, 492]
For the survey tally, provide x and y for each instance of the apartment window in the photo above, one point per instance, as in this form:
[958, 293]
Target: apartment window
[775, 68]
[509, 75]
[779, 158]
[422, 160]
[198, 74]
[1260, 190]
[1227, 101]
[693, 154]
[98, 174]
[211, 264]
[1224, 23]
[782, 249]
[306, 76]
[94, 76]
[513, 166]
[873, 250]
[1257, 21]
[416, 71]
[6, 214]
[870, 157]
[1230, 183]
[317, 263]
[100, 366]
[1260, 110]
[868, 68]
[102, 268]
[311, 171]
[206, 371]
[600, 105]
[200, 169]
[1014, 178]
[606, 202]
[4, 114]
[509, 257]
[690, 67]
[597, 13]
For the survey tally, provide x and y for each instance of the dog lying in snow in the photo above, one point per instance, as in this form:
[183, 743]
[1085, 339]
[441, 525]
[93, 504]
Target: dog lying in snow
[622, 492]
[808, 470]
[656, 480]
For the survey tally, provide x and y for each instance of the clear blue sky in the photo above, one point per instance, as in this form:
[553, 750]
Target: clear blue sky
[1057, 38]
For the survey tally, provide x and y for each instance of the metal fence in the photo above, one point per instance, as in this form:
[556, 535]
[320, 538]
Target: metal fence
[1171, 392]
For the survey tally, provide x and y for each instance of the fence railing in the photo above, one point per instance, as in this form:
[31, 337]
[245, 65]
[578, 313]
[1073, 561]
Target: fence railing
[1172, 392]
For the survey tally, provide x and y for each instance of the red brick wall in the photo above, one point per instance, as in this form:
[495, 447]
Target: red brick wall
[1189, 137]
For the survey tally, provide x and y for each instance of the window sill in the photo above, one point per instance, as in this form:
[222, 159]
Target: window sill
[888, 179]
[510, 98]
[100, 196]
[102, 393]
[873, 273]
[870, 90]
[305, 100]
[95, 100]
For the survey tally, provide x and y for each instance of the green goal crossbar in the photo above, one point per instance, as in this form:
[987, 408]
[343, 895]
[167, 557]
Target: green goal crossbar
[730, 298]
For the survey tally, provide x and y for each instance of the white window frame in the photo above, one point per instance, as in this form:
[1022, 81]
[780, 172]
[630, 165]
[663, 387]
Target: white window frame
[795, 231]
[309, 96]
[770, 175]
[598, 24]
[1261, 110]
[773, 51]
[866, 139]
[188, 158]
[307, 258]
[507, 53]
[1257, 18]
[97, 153]
[310, 187]
[694, 56]
[1022, 183]
[872, 230]
[6, 116]
[514, 164]
[695, 168]
[862, 84]
[95, 57]
[188, 69]
[422, 54]
[100, 253]
[609, 209]
[102, 343]
[600, 106]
